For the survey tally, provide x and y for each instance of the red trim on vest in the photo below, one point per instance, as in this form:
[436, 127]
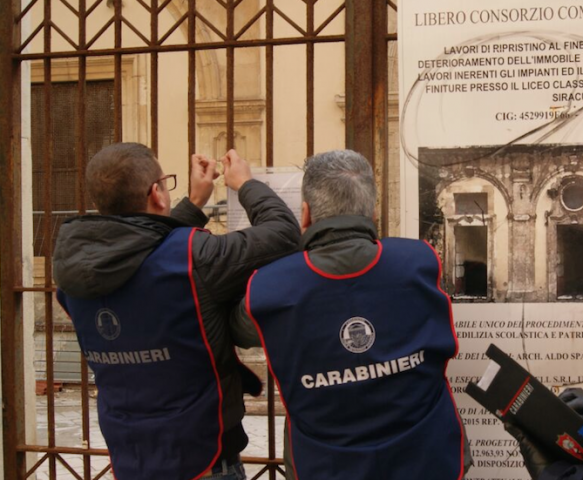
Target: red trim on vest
[289, 429]
[447, 362]
[348, 275]
[210, 352]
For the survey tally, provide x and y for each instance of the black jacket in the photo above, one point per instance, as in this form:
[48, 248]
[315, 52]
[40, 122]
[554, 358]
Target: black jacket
[563, 471]
[95, 255]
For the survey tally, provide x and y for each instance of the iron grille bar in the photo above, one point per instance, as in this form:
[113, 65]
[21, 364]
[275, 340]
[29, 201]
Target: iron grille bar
[144, 4]
[67, 466]
[154, 77]
[269, 85]
[27, 9]
[31, 37]
[230, 76]
[271, 424]
[272, 468]
[20, 289]
[70, 7]
[36, 465]
[129, 24]
[81, 143]
[86, 432]
[64, 35]
[310, 82]
[290, 21]
[117, 95]
[261, 472]
[98, 34]
[380, 92]
[64, 450]
[102, 473]
[173, 29]
[359, 74]
[330, 19]
[262, 461]
[183, 48]
[81, 205]
[210, 25]
[10, 244]
[191, 82]
[93, 7]
[249, 24]
[48, 246]
[163, 6]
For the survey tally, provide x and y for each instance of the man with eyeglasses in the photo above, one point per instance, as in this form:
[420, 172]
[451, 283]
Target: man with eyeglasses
[149, 293]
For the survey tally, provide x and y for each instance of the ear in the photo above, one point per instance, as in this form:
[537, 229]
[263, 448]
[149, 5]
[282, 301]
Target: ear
[156, 201]
[306, 217]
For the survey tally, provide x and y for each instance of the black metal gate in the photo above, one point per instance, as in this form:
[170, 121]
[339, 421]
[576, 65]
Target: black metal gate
[366, 40]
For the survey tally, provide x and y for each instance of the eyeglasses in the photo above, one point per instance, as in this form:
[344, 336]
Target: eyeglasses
[170, 183]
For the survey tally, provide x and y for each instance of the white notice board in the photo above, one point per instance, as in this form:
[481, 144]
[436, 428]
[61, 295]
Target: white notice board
[491, 130]
[285, 181]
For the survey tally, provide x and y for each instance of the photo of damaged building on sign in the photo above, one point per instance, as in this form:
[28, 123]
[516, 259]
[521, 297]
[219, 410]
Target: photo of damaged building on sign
[506, 219]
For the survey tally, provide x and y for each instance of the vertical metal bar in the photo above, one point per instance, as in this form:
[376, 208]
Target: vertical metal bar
[269, 84]
[230, 75]
[81, 133]
[154, 75]
[380, 79]
[367, 91]
[6, 229]
[269, 162]
[191, 80]
[86, 429]
[310, 79]
[117, 86]
[271, 424]
[48, 244]
[359, 94]
[10, 242]
[81, 152]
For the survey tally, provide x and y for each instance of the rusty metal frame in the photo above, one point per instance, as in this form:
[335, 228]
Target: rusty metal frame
[365, 42]
[367, 90]
[11, 243]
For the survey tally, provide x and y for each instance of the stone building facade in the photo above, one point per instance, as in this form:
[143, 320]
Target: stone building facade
[507, 220]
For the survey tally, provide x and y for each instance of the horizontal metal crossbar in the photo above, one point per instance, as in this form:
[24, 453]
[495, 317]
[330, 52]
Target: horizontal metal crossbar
[182, 48]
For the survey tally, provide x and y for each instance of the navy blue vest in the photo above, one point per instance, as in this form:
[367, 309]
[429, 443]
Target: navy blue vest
[159, 395]
[360, 364]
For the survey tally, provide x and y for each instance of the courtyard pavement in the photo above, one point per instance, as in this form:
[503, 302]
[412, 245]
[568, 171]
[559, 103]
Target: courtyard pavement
[69, 434]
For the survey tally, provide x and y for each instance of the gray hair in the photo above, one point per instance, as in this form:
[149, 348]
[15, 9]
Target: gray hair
[339, 182]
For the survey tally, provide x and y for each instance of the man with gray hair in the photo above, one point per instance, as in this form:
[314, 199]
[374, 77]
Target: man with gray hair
[358, 334]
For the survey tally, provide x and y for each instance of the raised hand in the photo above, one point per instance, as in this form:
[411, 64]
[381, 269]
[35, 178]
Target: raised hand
[202, 175]
[237, 170]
